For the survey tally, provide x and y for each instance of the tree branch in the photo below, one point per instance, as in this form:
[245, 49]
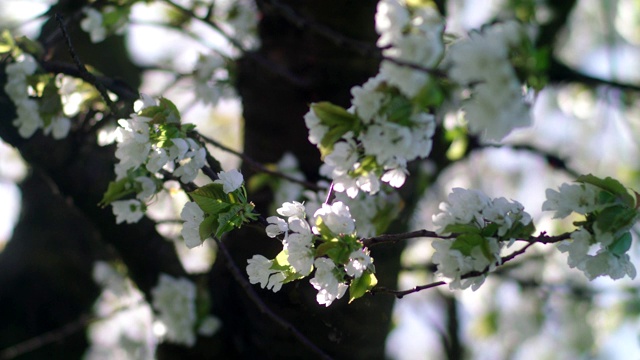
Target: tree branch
[402, 293]
[258, 166]
[83, 72]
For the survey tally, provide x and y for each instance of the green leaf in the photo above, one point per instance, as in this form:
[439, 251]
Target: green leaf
[211, 199]
[116, 190]
[616, 218]
[361, 285]
[6, 42]
[331, 137]
[32, 47]
[621, 245]
[229, 220]
[281, 262]
[431, 95]
[171, 112]
[490, 230]
[611, 185]
[291, 276]
[333, 115]
[466, 242]
[208, 226]
[399, 110]
[325, 247]
[462, 229]
[50, 102]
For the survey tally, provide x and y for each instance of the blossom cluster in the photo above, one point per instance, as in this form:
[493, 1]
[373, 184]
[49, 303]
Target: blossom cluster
[22, 94]
[480, 224]
[412, 36]
[482, 62]
[149, 141]
[174, 300]
[209, 75]
[329, 246]
[389, 122]
[125, 325]
[599, 246]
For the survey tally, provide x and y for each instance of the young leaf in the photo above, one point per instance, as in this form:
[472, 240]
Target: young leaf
[361, 285]
[621, 245]
[466, 242]
[116, 190]
[611, 185]
[211, 199]
[208, 226]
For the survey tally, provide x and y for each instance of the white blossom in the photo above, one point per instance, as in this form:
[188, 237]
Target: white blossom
[188, 169]
[579, 198]
[359, 260]
[367, 100]
[453, 264]
[299, 245]
[329, 287]
[276, 226]
[482, 62]
[337, 218]
[230, 180]
[193, 216]
[463, 207]
[316, 129]
[259, 270]
[129, 211]
[174, 299]
[275, 281]
[608, 263]
[292, 209]
[148, 188]
[157, 160]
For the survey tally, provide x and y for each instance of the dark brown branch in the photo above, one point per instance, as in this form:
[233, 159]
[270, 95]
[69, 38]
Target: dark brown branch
[402, 293]
[47, 338]
[258, 166]
[120, 88]
[543, 238]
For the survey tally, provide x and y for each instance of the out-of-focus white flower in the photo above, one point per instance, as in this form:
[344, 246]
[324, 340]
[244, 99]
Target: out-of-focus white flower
[193, 216]
[579, 198]
[92, 24]
[174, 299]
[129, 211]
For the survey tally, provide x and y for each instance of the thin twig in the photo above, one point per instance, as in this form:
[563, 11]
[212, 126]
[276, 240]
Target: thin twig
[258, 166]
[543, 238]
[402, 293]
[84, 73]
[46, 338]
[248, 289]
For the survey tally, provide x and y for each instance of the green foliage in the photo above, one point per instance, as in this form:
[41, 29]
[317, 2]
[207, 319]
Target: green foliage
[362, 285]
[338, 120]
[116, 190]
[223, 212]
[611, 185]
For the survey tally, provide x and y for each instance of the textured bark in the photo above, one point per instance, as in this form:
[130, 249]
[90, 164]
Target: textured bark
[273, 109]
